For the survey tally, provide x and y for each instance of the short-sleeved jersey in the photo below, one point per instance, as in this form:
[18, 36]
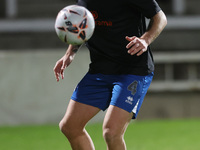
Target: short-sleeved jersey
[116, 19]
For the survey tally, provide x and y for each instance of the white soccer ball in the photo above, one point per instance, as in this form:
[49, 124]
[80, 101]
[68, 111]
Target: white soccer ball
[74, 24]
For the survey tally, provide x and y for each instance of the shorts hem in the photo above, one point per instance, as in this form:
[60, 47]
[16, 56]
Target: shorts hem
[134, 115]
[82, 102]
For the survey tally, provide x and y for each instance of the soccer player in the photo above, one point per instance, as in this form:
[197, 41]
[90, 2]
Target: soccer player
[120, 72]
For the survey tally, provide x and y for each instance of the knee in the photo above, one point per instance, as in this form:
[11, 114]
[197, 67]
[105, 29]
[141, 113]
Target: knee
[66, 128]
[111, 135]
[69, 129]
[62, 126]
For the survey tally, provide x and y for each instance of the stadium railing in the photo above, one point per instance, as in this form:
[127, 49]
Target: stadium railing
[178, 7]
[46, 25]
[189, 60]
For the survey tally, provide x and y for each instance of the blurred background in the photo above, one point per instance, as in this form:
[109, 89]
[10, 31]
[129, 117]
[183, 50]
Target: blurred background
[29, 49]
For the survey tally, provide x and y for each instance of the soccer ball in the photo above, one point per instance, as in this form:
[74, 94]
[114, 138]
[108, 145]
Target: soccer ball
[74, 24]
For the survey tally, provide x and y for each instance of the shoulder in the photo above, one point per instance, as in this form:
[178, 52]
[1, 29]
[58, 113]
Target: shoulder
[147, 7]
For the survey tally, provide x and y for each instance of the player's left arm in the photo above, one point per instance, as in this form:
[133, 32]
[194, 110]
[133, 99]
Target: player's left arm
[138, 45]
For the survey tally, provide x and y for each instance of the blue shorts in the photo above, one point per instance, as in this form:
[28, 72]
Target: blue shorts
[124, 91]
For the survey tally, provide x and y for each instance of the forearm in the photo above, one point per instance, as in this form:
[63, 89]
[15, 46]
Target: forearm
[72, 50]
[156, 25]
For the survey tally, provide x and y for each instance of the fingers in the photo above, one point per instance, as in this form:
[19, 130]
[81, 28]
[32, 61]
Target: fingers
[132, 42]
[136, 46]
[141, 52]
[62, 70]
[130, 38]
[59, 70]
[137, 49]
[56, 73]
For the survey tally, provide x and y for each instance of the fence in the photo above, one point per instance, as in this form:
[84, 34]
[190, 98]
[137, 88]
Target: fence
[190, 62]
[178, 7]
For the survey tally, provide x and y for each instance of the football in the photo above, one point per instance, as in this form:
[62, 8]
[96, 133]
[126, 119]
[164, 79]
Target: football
[74, 24]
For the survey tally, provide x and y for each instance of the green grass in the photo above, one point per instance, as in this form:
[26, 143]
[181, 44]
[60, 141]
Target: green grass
[140, 135]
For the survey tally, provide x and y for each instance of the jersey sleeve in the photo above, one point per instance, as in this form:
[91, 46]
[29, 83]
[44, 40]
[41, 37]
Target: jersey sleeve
[147, 7]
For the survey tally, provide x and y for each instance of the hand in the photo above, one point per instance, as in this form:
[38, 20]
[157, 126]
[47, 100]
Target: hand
[136, 45]
[61, 65]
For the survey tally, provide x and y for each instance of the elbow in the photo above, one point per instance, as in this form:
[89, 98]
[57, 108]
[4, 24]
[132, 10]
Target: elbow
[163, 18]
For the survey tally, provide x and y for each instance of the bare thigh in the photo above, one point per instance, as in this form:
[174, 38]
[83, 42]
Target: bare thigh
[116, 120]
[77, 114]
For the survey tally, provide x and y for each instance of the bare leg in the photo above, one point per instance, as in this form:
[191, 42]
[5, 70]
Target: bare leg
[114, 127]
[73, 125]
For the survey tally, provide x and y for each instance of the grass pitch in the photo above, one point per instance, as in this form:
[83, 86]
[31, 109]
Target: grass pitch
[140, 135]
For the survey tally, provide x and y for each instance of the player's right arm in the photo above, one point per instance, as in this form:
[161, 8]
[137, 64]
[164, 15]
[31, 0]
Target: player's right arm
[65, 61]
